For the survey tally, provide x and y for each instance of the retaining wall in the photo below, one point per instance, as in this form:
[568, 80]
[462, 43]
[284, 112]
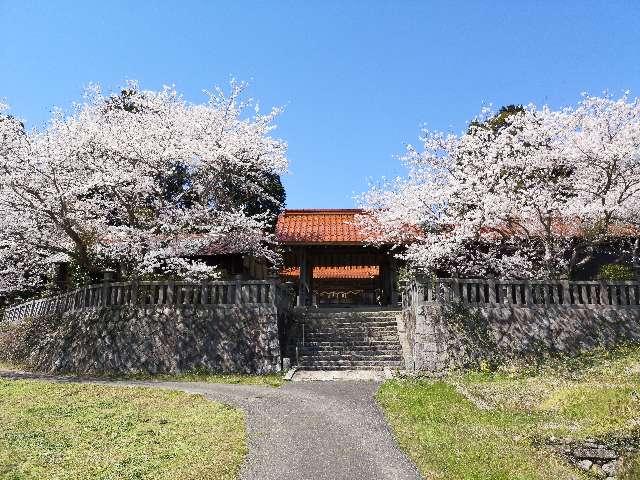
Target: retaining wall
[437, 342]
[155, 339]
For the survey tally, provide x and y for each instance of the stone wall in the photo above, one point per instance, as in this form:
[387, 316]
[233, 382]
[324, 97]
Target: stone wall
[224, 338]
[441, 337]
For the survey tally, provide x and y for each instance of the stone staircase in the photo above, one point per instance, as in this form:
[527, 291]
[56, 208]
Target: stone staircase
[355, 339]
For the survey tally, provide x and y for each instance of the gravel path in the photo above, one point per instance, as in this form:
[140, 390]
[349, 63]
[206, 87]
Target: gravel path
[304, 430]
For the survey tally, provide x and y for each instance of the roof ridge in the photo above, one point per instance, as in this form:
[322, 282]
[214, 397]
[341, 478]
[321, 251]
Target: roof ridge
[322, 210]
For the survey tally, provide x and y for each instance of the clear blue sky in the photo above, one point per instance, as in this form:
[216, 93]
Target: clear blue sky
[357, 78]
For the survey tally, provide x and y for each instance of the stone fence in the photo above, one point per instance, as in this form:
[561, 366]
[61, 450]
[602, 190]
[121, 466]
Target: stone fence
[523, 293]
[451, 323]
[156, 293]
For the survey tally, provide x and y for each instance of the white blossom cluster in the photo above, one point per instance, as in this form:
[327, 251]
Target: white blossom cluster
[135, 179]
[525, 199]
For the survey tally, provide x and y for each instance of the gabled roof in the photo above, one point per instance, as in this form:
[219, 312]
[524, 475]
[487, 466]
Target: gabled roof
[319, 226]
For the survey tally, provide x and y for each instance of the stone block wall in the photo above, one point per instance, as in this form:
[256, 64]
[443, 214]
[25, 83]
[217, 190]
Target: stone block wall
[157, 339]
[437, 344]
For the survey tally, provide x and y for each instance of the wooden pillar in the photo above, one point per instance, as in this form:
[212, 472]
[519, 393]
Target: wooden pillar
[393, 279]
[305, 282]
[387, 280]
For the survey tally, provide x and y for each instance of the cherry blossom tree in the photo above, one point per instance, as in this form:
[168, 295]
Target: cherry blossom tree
[137, 179]
[531, 195]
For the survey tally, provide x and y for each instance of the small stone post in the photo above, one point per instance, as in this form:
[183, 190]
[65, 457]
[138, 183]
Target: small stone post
[238, 289]
[528, 293]
[604, 293]
[107, 279]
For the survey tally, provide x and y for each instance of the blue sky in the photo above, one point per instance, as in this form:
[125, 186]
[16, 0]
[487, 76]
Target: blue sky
[357, 78]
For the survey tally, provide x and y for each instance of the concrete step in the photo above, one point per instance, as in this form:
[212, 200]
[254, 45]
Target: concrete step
[356, 353]
[346, 312]
[350, 358]
[351, 330]
[349, 318]
[346, 327]
[337, 367]
[388, 362]
[306, 375]
[351, 339]
[334, 365]
[346, 343]
[364, 339]
[355, 349]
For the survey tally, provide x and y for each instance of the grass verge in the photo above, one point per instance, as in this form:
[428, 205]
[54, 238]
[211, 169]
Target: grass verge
[73, 431]
[479, 426]
[267, 380]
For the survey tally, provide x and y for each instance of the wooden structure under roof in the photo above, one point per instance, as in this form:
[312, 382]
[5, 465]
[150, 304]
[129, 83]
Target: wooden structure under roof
[330, 261]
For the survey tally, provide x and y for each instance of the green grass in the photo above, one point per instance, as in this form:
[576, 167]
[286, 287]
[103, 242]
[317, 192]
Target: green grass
[74, 431]
[10, 366]
[494, 425]
[268, 380]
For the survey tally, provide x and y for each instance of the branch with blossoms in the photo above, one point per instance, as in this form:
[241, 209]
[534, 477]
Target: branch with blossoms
[529, 192]
[140, 179]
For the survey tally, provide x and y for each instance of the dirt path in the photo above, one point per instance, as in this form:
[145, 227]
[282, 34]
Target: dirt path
[303, 430]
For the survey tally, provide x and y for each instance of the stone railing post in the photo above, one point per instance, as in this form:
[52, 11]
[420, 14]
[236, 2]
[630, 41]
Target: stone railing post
[238, 290]
[492, 291]
[274, 292]
[604, 293]
[107, 279]
[134, 293]
[273, 284]
[528, 293]
[455, 291]
[171, 292]
[566, 294]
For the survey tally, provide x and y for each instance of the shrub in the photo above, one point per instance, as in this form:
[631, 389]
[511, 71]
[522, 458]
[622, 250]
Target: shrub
[472, 332]
[18, 340]
[616, 271]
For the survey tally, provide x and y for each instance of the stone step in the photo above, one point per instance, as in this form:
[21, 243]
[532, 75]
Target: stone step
[343, 352]
[342, 312]
[359, 348]
[341, 317]
[340, 320]
[349, 346]
[328, 321]
[348, 321]
[348, 343]
[351, 339]
[350, 328]
[329, 364]
[306, 358]
[349, 331]
[354, 331]
[339, 367]
[390, 335]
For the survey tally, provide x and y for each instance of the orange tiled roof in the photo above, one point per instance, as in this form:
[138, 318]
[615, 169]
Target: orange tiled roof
[319, 226]
[347, 272]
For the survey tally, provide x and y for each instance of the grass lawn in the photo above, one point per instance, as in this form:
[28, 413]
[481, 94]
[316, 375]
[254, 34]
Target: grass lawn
[493, 425]
[268, 380]
[74, 431]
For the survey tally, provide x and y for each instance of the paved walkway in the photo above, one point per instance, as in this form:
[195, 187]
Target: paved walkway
[304, 430]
